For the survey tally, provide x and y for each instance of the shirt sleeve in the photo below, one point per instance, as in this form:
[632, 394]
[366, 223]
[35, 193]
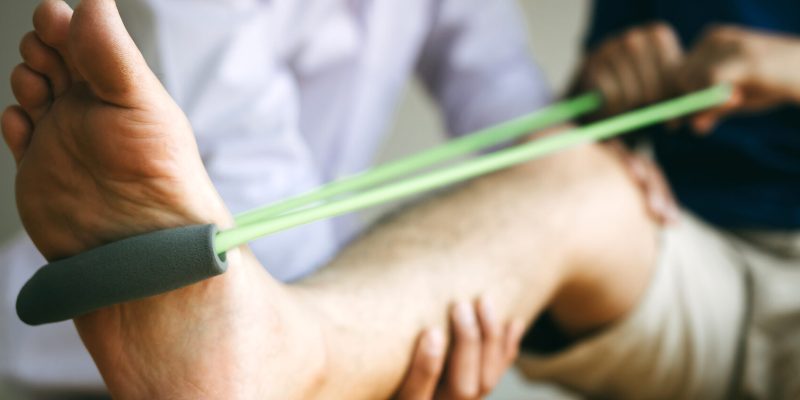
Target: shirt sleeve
[476, 64]
[611, 17]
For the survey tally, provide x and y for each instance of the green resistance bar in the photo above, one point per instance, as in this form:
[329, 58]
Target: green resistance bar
[602, 130]
[483, 139]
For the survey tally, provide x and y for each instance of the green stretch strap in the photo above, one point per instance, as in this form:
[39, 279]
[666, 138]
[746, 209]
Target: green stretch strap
[483, 139]
[605, 129]
[159, 262]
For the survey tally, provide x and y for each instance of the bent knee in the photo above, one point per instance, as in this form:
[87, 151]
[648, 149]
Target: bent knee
[613, 239]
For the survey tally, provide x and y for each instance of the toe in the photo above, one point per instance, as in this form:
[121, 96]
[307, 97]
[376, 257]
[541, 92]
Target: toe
[106, 56]
[46, 61]
[17, 131]
[31, 90]
[51, 22]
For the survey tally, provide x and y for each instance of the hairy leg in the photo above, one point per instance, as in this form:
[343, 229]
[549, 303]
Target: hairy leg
[569, 232]
[104, 154]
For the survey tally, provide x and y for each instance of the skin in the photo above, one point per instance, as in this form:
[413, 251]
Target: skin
[635, 68]
[482, 350]
[647, 64]
[106, 154]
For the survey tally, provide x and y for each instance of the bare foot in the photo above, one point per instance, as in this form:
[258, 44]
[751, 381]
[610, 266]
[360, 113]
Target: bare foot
[104, 153]
[96, 125]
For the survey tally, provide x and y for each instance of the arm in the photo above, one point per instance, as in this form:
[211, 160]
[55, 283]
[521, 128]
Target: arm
[476, 64]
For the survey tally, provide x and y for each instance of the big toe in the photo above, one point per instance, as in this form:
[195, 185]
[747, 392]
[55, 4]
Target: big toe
[105, 55]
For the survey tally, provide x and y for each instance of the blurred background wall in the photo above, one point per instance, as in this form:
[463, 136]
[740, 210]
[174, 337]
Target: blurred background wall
[556, 27]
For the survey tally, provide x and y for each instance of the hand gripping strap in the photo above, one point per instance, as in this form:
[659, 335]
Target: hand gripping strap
[130, 269]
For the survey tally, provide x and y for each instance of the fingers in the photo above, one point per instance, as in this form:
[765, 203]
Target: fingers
[623, 69]
[668, 56]
[719, 57]
[426, 367]
[462, 379]
[635, 68]
[643, 63]
[705, 122]
[17, 130]
[482, 349]
[515, 331]
[493, 358]
[710, 66]
[599, 75]
[716, 58]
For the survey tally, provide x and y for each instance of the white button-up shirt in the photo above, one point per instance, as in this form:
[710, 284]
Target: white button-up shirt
[284, 95]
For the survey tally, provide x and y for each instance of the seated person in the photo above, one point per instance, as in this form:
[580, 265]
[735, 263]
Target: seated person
[736, 271]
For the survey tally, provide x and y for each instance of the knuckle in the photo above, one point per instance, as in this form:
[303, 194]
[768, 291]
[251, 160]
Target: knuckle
[664, 34]
[659, 28]
[632, 39]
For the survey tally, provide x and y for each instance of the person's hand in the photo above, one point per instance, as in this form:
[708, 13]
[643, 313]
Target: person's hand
[762, 67]
[635, 68]
[659, 199]
[481, 351]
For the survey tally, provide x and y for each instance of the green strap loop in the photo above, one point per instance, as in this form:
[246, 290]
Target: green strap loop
[481, 140]
[158, 262]
[619, 125]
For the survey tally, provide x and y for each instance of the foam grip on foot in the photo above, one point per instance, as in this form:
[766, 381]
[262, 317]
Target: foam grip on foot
[130, 269]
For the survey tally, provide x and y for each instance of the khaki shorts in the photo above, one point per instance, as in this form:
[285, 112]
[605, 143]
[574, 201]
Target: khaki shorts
[721, 319]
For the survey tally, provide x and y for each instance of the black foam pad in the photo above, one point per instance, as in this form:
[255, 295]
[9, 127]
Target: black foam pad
[130, 269]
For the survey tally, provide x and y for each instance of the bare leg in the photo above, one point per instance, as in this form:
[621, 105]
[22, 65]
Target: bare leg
[569, 233]
[104, 153]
